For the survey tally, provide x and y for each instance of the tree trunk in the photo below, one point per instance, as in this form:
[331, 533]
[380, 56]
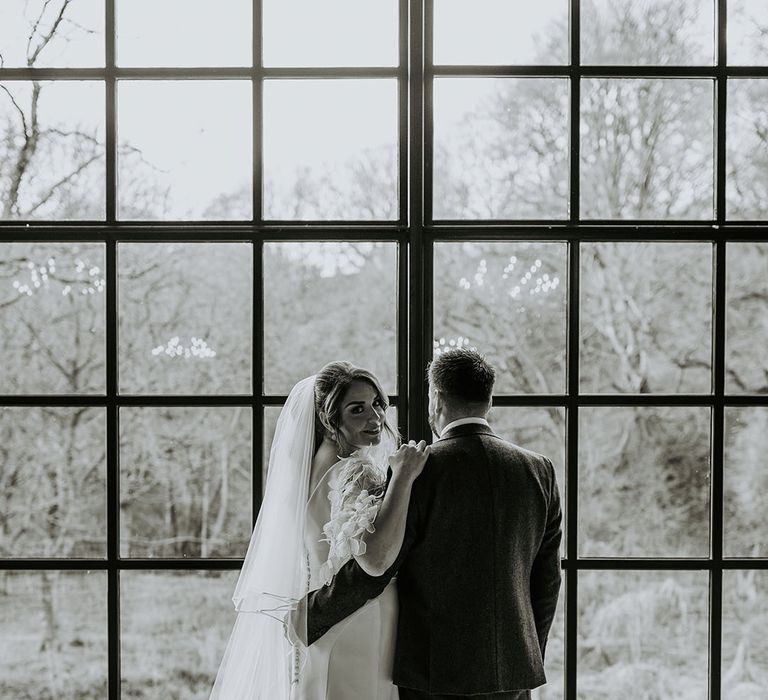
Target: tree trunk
[51, 640]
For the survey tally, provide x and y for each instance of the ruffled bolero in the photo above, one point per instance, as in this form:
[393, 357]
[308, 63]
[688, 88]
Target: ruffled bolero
[355, 489]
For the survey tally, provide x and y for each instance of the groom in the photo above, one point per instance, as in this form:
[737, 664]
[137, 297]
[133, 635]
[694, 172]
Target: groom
[478, 574]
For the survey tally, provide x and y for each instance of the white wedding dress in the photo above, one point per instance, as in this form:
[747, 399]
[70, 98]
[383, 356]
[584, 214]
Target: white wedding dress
[300, 540]
[353, 660]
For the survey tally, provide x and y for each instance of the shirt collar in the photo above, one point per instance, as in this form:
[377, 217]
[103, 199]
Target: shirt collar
[464, 421]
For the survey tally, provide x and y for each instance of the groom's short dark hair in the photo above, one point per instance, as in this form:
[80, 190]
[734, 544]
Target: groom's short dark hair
[462, 375]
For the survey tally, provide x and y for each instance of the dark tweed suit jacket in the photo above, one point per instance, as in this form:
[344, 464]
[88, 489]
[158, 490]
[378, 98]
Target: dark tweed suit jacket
[478, 574]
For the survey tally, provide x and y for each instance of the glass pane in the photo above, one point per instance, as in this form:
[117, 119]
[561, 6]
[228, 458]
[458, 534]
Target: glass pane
[185, 482]
[647, 148]
[45, 34]
[184, 149]
[509, 301]
[745, 520]
[52, 318]
[185, 317]
[215, 32]
[539, 429]
[271, 414]
[746, 185]
[554, 659]
[646, 317]
[644, 481]
[643, 634]
[500, 32]
[326, 302]
[52, 163]
[746, 318]
[174, 627]
[330, 33]
[747, 32]
[648, 32]
[330, 149]
[53, 635]
[53, 482]
[501, 148]
[745, 647]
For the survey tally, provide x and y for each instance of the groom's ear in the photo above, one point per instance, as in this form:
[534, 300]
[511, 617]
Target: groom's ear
[438, 400]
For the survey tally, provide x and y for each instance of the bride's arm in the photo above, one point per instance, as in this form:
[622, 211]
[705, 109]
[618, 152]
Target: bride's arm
[383, 545]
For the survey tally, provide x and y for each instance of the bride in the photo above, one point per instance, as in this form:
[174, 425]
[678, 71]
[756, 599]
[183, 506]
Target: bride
[327, 499]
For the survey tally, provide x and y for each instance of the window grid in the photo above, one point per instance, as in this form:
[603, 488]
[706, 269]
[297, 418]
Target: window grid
[416, 232]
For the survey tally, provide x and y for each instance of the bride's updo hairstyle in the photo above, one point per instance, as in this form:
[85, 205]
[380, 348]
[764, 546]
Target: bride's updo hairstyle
[331, 384]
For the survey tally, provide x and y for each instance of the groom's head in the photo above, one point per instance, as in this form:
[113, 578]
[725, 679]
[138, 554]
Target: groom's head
[460, 386]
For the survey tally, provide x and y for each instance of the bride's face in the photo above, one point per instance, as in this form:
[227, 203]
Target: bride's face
[362, 415]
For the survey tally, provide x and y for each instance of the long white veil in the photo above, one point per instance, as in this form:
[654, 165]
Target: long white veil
[259, 662]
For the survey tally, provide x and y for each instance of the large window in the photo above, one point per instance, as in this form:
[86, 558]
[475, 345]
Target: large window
[202, 202]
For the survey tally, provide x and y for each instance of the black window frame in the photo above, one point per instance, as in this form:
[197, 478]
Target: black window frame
[415, 232]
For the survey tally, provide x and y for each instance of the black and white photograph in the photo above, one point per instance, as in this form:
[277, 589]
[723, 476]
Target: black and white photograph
[383, 349]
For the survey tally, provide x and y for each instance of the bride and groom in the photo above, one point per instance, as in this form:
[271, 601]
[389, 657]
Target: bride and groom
[378, 572]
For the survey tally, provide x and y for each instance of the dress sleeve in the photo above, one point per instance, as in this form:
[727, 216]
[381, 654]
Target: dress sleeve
[355, 491]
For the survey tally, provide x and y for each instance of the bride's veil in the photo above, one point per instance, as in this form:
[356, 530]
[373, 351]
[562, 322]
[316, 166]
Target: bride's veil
[259, 662]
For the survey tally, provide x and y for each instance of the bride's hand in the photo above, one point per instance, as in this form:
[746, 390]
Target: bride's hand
[409, 460]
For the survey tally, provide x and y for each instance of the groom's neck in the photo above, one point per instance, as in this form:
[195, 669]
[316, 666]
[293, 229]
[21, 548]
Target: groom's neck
[447, 419]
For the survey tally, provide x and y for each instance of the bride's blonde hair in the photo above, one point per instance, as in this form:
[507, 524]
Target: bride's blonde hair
[331, 383]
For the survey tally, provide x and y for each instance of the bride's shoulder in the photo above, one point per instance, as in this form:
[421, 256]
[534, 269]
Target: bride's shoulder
[324, 459]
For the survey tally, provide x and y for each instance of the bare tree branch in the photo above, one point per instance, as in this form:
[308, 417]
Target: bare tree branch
[18, 109]
[64, 180]
[25, 154]
[46, 38]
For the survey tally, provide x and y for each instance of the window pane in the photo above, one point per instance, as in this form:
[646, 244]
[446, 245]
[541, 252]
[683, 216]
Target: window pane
[185, 482]
[330, 33]
[747, 31]
[644, 481]
[174, 628]
[52, 318]
[646, 317]
[53, 634]
[330, 149]
[501, 148]
[642, 634]
[746, 186]
[53, 482]
[271, 414]
[184, 149]
[52, 162]
[185, 318]
[501, 32]
[745, 521]
[648, 33]
[747, 318]
[326, 302]
[647, 148]
[42, 34]
[215, 32]
[509, 301]
[541, 430]
[745, 648]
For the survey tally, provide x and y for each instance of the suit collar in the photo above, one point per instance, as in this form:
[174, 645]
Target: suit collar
[466, 429]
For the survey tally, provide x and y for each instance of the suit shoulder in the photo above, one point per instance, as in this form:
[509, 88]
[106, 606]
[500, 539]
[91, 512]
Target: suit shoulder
[534, 461]
[517, 450]
[444, 451]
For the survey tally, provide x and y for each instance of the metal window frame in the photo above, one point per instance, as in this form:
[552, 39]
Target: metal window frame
[415, 232]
